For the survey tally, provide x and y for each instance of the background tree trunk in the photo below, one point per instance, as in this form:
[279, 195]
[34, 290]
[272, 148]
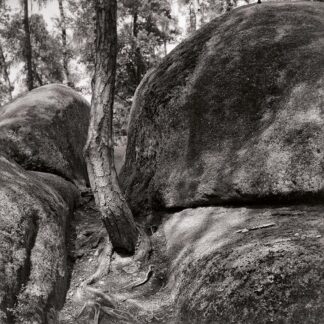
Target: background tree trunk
[192, 18]
[64, 46]
[99, 150]
[140, 66]
[28, 48]
[4, 70]
[197, 8]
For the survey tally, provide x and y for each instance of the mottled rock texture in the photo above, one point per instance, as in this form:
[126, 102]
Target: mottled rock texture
[34, 215]
[46, 130]
[269, 275]
[234, 114]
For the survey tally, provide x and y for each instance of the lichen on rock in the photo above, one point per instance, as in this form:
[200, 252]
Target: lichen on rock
[234, 114]
[265, 275]
[42, 134]
[46, 130]
[34, 215]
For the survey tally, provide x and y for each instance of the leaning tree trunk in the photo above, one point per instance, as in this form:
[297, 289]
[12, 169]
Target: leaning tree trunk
[4, 69]
[99, 150]
[28, 48]
[67, 76]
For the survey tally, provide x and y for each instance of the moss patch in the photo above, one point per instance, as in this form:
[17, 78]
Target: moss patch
[233, 114]
[34, 213]
[270, 275]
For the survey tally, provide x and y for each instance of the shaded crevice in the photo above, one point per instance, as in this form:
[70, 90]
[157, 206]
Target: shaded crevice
[265, 202]
[24, 272]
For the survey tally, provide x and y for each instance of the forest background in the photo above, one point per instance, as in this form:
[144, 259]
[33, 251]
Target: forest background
[52, 41]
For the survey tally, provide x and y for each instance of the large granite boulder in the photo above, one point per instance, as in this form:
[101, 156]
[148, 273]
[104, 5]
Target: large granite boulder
[34, 214]
[247, 265]
[46, 130]
[234, 114]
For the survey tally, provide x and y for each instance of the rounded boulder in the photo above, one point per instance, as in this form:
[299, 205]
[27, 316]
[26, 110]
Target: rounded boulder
[46, 130]
[234, 114]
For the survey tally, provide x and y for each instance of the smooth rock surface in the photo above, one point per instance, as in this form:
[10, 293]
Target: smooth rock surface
[34, 213]
[234, 114]
[263, 275]
[46, 130]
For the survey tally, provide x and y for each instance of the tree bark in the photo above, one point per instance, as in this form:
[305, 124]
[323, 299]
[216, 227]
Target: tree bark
[192, 18]
[37, 76]
[99, 150]
[195, 15]
[165, 47]
[202, 7]
[140, 66]
[4, 69]
[67, 76]
[28, 48]
[198, 11]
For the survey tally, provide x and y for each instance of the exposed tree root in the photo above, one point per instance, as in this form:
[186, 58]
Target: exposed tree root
[143, 247]
[103, 263]
[103, 303]
[98, 301]
[121, 315]
[100, 297]
[143, 250]
[148, 276]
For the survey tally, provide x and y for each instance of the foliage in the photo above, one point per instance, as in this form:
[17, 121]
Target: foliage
[199, 12]
[5, 85]
[47, 67]
[47, 53]
[145, 27]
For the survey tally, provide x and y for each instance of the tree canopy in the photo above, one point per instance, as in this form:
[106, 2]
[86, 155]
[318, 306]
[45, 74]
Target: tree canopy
[64, 52]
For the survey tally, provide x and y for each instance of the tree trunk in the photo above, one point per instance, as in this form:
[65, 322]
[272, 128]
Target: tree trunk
[67, 77]
[165, 47]
[195, 15]
[198, 11]
[192, 18]
[202, 13]
[140, 68]
[99, 150]
[4, 70]
[37, 76]
[28, 48]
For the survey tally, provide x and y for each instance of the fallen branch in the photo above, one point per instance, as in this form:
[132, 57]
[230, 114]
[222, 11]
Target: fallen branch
[244, 230]
[144, 246]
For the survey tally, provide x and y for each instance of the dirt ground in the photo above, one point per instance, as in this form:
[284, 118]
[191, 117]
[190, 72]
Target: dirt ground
[195, 253]
[148, 303]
